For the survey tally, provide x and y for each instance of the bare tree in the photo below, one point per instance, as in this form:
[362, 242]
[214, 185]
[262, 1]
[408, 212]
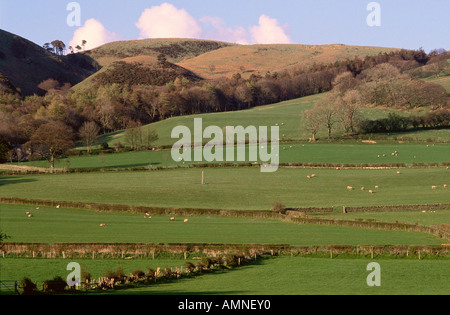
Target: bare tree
[348, 109]
[327, 112]
[312, 122]
[51, 140]
[88, 133]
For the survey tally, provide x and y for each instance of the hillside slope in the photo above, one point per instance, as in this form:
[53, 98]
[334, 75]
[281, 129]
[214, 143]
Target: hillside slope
[261, 59]
[26, 64]
[175, 49]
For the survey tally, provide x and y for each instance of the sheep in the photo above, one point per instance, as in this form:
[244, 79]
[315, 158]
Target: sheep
[58, 206]
[398, 172]
[37, 208]
[172, 219]
[27, 213]
[186, 220]
[102, 224]
[433, 187]
[30, 215]
[349, 187]
[309, 177]
[363, 188]
[370, 192]
[377, 187]
[445, 185]
[313, 175]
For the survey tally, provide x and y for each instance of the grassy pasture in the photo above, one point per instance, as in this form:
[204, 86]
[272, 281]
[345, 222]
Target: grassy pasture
[287, 114]
[272, 276]
[50, 225]
[236, 188]
[316, 276]
[413, 217]
[322, 152]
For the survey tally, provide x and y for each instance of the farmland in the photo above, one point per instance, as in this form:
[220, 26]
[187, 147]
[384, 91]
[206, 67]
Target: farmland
[333, 206]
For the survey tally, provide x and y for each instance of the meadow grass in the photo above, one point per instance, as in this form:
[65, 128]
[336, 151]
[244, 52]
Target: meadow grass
[50, 225]
[237, 188]
[281, 275]
[412, 217]
[343, 152]
[315, 276]
[287, 114]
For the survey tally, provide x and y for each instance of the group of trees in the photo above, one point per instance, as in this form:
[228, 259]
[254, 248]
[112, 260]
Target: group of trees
[83, 114]
[58, 47]
[384, 85]
[396, 123]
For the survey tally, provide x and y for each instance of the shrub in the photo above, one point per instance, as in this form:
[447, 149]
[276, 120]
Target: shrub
[116, 274]
[28, 286]
[138, 273]
[278, 208]
[57, 285]
[189, 267]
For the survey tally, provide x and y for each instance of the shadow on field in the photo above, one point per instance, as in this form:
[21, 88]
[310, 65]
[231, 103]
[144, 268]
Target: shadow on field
[7, 180]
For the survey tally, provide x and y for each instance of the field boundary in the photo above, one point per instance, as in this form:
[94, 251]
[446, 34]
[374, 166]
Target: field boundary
[300, 216]
[8, 169]
[139, 250]
[428, 207]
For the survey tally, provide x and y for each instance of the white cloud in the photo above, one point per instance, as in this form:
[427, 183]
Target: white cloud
[220, 31]
[94, 33]
[269, 31]
[166, 21]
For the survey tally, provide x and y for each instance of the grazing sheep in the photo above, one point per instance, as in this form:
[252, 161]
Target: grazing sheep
[433, 187]
[102, 224]
[313, 175]
[377, 187]
[362, 188]
[186, 220]
[309, 177]
[172, 219]
[349, 187]
[27, 213]
[37, 208]
[58, 206]
[445, 185]
[398, 172]
[370, 192]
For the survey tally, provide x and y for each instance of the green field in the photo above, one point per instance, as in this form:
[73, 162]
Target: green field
[430, 217]
[236, 188]
[350, 152]
[276, 276]
[315, 276]
[288, 116]
[74, 226]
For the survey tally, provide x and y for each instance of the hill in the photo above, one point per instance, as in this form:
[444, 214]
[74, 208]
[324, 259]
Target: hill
[137, 70]
[248, 59]
[175, 50]
[25, 65]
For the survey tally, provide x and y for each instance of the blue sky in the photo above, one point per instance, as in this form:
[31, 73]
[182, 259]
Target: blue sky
[406, 24]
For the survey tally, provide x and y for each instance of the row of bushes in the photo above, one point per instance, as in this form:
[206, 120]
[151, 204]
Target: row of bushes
[396, 123]
[428, 207]
[211, 250]
[117, 279]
